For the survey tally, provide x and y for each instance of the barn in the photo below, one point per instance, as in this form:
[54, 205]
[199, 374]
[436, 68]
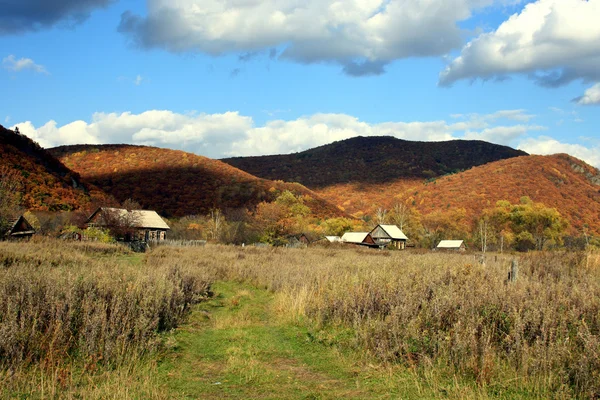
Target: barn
[144, 225]
[389, 235]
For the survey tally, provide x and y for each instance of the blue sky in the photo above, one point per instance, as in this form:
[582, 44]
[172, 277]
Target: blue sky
[229, 77]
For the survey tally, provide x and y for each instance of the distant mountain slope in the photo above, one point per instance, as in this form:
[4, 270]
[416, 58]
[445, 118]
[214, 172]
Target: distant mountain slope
[176, 183]
[560, 181]
[373, 160]
[46, 183]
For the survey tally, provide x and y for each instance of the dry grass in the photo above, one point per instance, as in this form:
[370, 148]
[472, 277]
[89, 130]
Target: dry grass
[432, 311]
[69, 307]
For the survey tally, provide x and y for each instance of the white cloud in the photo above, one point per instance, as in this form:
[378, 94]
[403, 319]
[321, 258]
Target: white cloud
[7, 119]
[232, 134]
[361, 35]
[552, 41]
[591, 96]
[11, 63]
[547, 145]
[138, 80]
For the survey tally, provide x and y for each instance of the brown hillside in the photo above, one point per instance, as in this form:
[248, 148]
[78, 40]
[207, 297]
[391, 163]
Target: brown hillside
[176, 183]
[559, 181]
[45, 183]
[374, 160]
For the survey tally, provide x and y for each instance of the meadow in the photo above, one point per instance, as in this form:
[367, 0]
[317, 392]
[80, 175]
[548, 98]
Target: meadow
[96, 321]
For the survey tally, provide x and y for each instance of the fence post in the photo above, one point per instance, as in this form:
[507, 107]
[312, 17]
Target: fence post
[514, 271]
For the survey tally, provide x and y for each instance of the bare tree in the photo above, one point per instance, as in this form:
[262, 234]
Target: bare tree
[400, 215]
[381, 215]
[216, 222]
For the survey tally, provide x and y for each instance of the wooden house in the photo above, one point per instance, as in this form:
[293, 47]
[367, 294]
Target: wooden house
[19, 228]
[389, 235]
[298, 241]
[359, 239]
[452, 245]
[132, 225]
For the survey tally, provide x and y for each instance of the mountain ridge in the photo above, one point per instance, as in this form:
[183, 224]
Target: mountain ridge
[373, 159]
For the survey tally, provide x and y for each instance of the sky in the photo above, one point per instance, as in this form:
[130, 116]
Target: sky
[225, 78]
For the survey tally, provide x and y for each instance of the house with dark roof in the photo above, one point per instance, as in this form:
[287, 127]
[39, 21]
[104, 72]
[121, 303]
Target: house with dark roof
[18, 228]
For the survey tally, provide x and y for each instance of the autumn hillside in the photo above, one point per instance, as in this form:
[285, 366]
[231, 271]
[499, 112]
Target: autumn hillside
[176, 183]
[373, 160]
[43, 181]
[559, 181]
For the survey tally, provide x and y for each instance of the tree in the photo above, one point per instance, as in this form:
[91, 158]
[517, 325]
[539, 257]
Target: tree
[10, 183]
[528, 225]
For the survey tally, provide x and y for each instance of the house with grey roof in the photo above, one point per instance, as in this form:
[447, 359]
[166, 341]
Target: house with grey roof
[358, 238]
[131, 225]
[389, 236]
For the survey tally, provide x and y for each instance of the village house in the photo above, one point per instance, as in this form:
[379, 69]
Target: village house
[452, 245]
[132, 225]
[359, 239]
[19, 228]
[389, 235]
[298, 241]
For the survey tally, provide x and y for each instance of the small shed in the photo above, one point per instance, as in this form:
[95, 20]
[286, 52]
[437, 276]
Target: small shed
[333, 239]
[389, 235]
[19, 228]
[453, 245]
[140, 224]
[359, 238]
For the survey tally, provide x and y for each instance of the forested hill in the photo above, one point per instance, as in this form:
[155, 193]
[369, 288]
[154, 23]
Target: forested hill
[44, 182]
[373, 160]
[176, 183]
[559, 181]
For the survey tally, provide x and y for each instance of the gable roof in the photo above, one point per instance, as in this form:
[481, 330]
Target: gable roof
[141, 218]
[450, 244]
[333, 239]
[392, 230]
[26, 228]
[354, 237]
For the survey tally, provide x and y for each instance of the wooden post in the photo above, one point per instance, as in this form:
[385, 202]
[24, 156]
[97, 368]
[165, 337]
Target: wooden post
[514, 271]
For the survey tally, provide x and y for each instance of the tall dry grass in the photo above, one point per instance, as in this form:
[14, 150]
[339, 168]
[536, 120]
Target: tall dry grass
[61, 302]
[432, 310]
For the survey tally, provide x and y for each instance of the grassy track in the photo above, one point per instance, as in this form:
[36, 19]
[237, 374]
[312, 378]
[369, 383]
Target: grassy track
[236, 347]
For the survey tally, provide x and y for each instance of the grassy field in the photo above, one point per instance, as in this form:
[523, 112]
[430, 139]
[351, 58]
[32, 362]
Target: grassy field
[81, 321]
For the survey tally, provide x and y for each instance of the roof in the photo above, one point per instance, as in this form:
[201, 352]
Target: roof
[394, 232]
[450, 244]
[27, 229]
[333, 239]
[140, 218]
[354, 237]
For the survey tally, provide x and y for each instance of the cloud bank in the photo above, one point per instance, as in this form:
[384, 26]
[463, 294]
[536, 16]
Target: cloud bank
[19, 16]
[232, 134]
[553, 42]
[362, 36]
